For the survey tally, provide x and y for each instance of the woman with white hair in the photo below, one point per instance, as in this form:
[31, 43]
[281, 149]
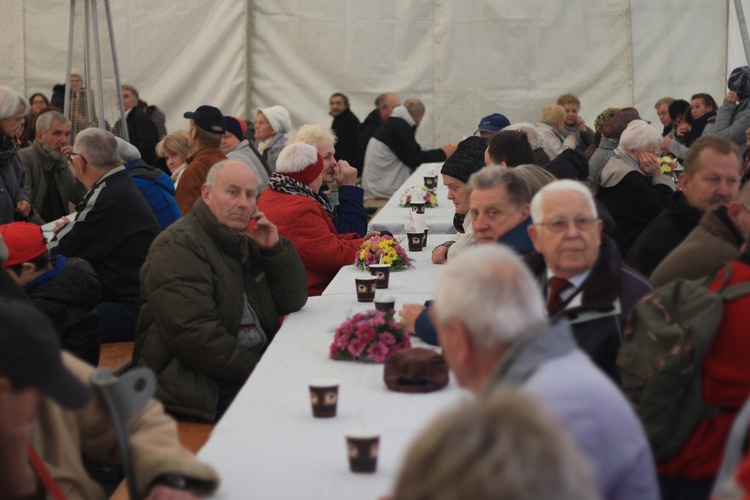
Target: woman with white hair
[271, 126]
[550, 131]
[14, 196]
[632, 185]
[293, 204]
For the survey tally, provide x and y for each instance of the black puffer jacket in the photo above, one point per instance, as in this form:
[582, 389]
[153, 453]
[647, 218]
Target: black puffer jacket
[68, 294]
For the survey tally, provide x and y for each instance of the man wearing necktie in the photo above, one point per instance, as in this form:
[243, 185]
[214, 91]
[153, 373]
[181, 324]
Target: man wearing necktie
[580, 271]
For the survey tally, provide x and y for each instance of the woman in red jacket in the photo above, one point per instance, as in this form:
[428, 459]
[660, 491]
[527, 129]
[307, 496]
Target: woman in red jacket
[292, 203]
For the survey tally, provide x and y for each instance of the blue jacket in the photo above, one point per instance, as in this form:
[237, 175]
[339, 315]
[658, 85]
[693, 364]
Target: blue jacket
[351, 216]
[517, 239]
[158, 189]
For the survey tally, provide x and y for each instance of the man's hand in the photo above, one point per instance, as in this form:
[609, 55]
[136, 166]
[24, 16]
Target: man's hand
[371, 234]
[23, 207]
[732, 96]
[408, 315]
[440, 255]
[344, 174]
[164, 492]
[581, 124]
[66, 150]
[649, 163]
[449, 149]
[61, 224]
[264, 233]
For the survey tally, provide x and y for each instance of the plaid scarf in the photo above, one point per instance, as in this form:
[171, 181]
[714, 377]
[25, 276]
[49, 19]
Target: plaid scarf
[287, 185]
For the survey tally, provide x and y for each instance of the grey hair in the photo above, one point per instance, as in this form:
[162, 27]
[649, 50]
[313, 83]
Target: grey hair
[415, 107]
[491, 292]
[493, 177]
[45, 120]
[530, 130]
[132, 90]
[493, 448]
[567, 185]
[313, 133]
[98, 147]
[213, 172]
[10, 101]
[639, 136]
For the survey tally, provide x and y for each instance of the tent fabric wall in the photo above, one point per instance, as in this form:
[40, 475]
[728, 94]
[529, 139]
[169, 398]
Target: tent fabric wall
[464, 59]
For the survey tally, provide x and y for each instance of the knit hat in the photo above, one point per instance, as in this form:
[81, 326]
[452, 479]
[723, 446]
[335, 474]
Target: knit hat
[24, 240]
[492, 123]
[301, 162]
[739, 81]
[618, 122]
[467, 159]
[602, 118]
[127, 151]
[235, 126]
[31, 354]
[278, 118]
[208, 118]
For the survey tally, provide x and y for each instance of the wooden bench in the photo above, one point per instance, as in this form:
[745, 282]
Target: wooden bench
[116, 356]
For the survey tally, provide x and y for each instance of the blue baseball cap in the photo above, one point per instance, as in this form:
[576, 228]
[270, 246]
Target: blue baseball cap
[493, 123]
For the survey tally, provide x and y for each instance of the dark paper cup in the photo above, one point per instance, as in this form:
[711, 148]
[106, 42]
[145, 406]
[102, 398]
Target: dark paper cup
[363, 448]
[382, 272]
[324, 397]
[430, 182]
[417, 207]
[415, 241]
[366, 287]
[386, 307]
[424, 240]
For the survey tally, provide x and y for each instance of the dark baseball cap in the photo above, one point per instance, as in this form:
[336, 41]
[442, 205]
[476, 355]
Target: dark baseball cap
[31, 354]
[493, 123]
[207, 118]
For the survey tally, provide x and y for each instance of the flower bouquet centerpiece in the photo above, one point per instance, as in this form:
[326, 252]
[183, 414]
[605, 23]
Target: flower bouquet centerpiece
[382, 250]
[670, 166]
[369, 337]
[429, 196]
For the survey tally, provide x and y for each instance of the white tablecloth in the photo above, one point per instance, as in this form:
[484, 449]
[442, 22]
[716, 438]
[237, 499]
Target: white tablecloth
[268, 445]
[439, 219]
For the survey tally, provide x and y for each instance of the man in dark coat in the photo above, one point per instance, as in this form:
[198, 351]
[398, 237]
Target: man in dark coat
[142, 132]
[346, 127]
[384, 105]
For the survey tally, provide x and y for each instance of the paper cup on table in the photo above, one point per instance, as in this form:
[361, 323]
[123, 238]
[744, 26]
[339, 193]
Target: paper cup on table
[324, 397]
[430, 181]
[385, 302]
[417, 207]
[415, 241]
[366, 287]
[363, 447]
[424, 240]
[382, 272]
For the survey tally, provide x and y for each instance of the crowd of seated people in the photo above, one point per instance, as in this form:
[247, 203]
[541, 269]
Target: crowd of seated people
[560, 228]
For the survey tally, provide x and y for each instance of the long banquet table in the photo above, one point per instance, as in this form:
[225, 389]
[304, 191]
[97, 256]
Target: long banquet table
[392, 216]
[268, 445]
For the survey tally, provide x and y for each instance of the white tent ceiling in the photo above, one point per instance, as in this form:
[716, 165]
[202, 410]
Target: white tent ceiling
[464, 59]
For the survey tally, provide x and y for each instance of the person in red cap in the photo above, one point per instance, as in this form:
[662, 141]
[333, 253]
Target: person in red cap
[292, 203]
[65, 289]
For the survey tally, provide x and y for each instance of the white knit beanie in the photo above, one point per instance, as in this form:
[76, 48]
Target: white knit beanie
[278, 117]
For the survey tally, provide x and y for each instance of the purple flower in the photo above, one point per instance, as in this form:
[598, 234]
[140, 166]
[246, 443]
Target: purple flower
[356, 347]
[387, 338]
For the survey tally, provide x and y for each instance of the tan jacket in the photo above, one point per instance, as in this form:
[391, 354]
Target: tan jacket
[61, 437]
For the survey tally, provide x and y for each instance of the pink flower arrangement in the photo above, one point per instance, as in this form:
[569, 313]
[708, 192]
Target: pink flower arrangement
[382, 250]
[370, 337]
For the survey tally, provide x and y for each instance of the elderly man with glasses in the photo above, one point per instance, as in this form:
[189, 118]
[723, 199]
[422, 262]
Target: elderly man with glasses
[113, 230]
[580, 271]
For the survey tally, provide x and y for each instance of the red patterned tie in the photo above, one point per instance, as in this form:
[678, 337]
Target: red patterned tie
[556, 286]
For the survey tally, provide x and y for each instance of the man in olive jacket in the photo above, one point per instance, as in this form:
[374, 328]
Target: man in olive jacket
[212, 293]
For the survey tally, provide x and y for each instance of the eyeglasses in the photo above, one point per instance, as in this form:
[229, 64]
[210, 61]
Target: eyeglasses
[72, 155]
[560, 225]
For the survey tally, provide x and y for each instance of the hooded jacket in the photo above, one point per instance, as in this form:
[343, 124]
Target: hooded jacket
[158, 189]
